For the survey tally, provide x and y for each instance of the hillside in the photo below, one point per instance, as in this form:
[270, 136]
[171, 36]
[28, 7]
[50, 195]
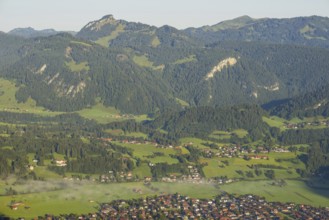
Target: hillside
[310, 104]
[62, 73]
[310, 31]
[138, 68]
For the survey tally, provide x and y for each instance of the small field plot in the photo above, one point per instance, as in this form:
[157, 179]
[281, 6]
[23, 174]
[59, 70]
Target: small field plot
[149, 152]
[222, 135]
[275, 122]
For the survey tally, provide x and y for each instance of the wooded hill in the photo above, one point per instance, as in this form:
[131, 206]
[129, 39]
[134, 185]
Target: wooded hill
[138, 68]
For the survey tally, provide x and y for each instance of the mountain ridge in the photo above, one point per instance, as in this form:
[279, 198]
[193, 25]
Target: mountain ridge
[138, 68]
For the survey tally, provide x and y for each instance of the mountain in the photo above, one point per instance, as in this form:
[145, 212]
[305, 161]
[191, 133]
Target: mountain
[31, 33]
[108, 31]
[310, 31]
[65, 74]
[138, 68]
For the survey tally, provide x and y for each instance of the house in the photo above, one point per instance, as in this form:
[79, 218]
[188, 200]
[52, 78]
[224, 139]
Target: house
[61, 163]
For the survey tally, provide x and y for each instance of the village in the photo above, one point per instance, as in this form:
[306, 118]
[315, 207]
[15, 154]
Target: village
[224, 206]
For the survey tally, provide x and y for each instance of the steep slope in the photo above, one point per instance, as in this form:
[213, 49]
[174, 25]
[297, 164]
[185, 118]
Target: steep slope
[311, 31]
[62, 73]
[233, 72]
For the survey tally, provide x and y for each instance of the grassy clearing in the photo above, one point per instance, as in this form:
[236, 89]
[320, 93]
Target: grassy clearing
[191, 58]
[143, 150]
[104, 115]
[155, 42]
[241, 133]
[196, 142]
[80, 43]
[105, 41]
[290, 193]
[116, 132]
[182, 102]
[142, 171]
[77, 67]
[101, 114]
[119, 132]
[274, 122]
[222, 135]
[144, 61]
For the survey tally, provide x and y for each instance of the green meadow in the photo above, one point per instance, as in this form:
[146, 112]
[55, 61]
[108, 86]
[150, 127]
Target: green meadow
[104, 41]
[145, 152]
[144, 61]
[215, 167]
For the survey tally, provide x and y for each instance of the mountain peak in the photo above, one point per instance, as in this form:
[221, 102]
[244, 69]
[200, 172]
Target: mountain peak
[107, 19]
[98, 24]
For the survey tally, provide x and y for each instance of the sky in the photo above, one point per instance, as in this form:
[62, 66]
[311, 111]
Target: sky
[72, 15]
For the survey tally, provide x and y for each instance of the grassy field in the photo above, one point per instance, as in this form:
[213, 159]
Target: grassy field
[142, 151]
[275, 122]
[216, 168]
[104, 41]
[101, 114]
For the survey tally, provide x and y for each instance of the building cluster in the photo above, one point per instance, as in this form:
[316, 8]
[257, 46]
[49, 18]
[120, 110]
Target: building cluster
[226, 206]
[307, 124]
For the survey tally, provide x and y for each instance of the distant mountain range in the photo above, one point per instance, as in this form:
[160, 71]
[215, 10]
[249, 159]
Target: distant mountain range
[139, 68]
[31, 33]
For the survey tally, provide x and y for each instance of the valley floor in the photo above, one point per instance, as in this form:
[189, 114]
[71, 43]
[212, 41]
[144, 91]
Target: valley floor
[82, 197]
